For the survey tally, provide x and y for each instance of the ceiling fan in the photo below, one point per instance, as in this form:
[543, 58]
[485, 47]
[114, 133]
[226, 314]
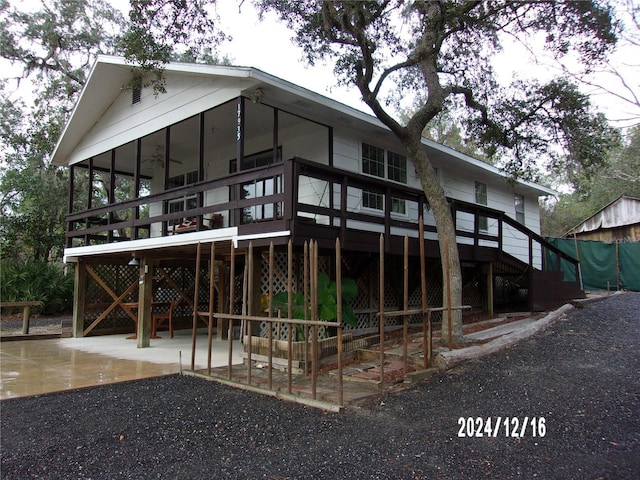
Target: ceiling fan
[157, 158]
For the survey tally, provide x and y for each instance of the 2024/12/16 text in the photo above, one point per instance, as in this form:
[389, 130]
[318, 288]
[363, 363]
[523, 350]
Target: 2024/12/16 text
[508, 426]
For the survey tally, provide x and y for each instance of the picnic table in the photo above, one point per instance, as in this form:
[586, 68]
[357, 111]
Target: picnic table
[26, 312]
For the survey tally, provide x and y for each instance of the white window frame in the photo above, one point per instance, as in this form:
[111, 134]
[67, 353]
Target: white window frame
[398, 206]
[519, 208]
[482, 198]
[182, 204]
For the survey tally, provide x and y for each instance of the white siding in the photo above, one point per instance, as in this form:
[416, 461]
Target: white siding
[459, 185]
[123, 122]
[346, 152]
[306, 140]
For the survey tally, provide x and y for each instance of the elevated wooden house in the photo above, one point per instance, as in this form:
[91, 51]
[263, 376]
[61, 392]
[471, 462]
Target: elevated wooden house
[234, 155]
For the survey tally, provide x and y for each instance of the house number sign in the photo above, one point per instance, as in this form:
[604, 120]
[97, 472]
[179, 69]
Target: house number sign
[239, 123]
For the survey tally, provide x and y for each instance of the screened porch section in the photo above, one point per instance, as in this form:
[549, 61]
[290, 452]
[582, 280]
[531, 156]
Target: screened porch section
[221, 168]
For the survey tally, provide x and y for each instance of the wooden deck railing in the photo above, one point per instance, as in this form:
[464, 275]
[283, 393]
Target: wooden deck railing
[341, 181]
[288, 210]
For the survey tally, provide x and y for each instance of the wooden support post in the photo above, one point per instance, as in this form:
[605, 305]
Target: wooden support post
[270, 361]
[145, 297]
[429, 339]
[339, 305]
[617, 265]
[381, 306]
[196, 302]
[405, 320]
[448, 287]
[490, 289]
[249, 305]
[305, 287]
[232, 274]
[290, 327]
[79, 298]
[221, 324]
[313, 260]
[26, 315]
[423, 288]
[212, 289]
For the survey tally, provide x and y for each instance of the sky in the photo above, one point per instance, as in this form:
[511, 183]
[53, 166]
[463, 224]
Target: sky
[267, 46]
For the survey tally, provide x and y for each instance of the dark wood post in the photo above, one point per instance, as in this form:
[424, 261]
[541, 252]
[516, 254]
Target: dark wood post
[79, 298]
[145, 296]
[136, 190]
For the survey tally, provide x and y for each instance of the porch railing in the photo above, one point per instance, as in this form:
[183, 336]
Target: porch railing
[289, 208]
[339, 214]
[126, 220]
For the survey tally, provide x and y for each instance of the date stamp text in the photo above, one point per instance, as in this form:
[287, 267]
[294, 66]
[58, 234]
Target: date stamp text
[513, 427]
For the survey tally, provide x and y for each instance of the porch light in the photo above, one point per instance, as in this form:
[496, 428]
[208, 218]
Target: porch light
[134, 262]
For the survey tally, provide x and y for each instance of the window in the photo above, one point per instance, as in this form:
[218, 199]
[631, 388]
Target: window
[257, 189]
[184, 203]
[395, 166]
[373, 200]
[182, 180]
[261, 159]
[481, 199]
[399, 206]
[372, 160]
[481, 193]
[519, 203]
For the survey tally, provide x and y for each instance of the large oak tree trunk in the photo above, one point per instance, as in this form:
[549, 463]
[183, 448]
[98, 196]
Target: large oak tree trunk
[446, 239]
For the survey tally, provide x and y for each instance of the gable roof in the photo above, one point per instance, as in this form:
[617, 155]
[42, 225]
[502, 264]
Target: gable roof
[623, 211]
[109, 74]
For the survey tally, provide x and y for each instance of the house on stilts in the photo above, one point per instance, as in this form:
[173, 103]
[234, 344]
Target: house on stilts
[235, 157]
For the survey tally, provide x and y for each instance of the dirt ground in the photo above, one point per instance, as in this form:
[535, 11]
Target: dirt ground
[11, 325]
[579, 380]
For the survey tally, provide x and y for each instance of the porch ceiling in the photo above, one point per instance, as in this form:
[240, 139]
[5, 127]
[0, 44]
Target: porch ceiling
[162, 249]
[162, 256]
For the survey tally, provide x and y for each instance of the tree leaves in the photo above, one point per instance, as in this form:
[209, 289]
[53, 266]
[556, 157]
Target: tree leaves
[55, 46]
[619, 176]
[161, 29]
[550, 126]
[437, 51]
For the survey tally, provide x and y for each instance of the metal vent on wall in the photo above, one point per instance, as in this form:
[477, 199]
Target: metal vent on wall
[136, 95]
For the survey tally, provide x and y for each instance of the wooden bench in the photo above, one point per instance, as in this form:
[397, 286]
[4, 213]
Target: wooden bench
[26, 312]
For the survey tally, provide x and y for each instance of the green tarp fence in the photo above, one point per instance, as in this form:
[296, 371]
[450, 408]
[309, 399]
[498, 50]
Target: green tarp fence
[604, 266]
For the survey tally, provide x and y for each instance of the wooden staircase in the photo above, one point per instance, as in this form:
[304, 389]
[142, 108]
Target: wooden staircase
[546, 289]
[549, 290]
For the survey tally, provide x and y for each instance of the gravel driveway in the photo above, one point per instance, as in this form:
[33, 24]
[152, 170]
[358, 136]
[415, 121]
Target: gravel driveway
[582, 376]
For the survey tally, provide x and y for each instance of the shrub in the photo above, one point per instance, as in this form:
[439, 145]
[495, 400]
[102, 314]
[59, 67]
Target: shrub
[36, 280]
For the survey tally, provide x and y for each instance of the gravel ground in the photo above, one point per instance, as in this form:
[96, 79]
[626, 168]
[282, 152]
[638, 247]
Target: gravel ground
[581, 375]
